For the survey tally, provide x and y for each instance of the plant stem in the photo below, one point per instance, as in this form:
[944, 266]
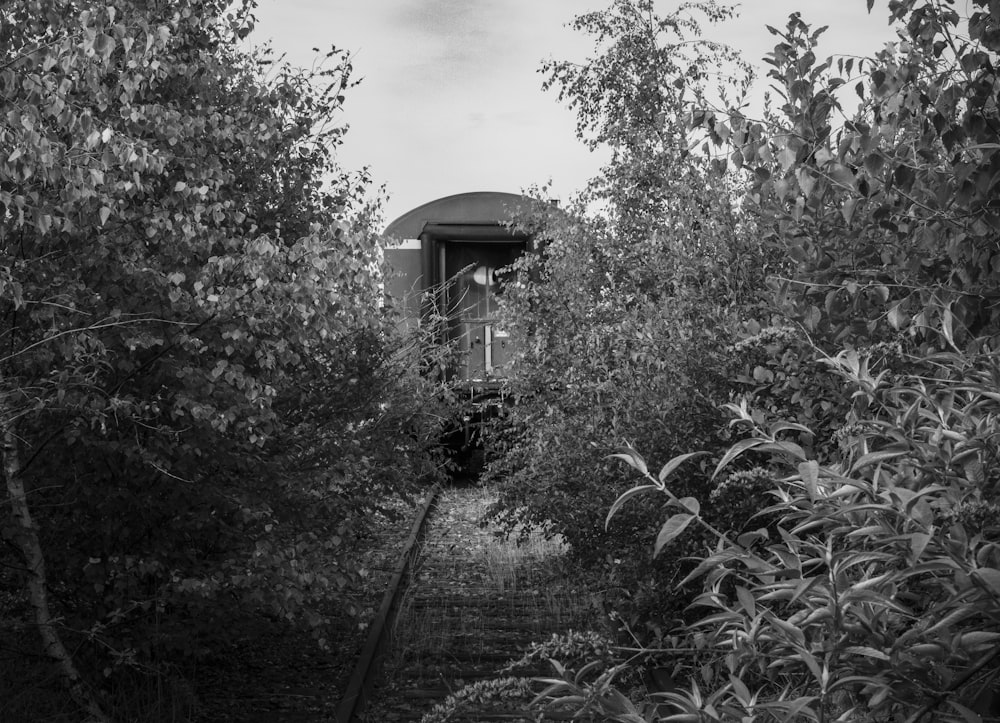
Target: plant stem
[23, 533]
[955, 685]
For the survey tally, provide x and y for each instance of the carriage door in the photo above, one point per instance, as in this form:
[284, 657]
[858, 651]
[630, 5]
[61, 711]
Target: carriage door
[473, 305]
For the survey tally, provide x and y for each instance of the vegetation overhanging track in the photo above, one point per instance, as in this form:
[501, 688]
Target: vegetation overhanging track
[366, 669]
[474, 602]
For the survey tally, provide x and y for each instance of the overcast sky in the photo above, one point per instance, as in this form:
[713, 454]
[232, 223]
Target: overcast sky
[451, 98]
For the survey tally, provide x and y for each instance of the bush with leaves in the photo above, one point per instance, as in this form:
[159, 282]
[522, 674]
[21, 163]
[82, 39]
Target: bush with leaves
[588, 659]
[626, 313]
[887, 211]
[190, 321]
[872, 592]
[877, 597]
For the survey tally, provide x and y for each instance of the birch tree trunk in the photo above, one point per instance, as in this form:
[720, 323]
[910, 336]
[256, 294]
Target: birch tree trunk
[21, 531]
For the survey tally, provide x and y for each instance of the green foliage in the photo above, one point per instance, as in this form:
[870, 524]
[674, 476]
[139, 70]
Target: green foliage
[629, 96]
[586, 663]
[780, 373]
[206, 398]
[626, 312]
[572, 649]
[868, 588]
[877, 595]
[512, 691]
[887, 212]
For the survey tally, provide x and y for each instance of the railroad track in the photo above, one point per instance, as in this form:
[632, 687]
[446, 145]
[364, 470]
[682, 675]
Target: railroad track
[465, 604]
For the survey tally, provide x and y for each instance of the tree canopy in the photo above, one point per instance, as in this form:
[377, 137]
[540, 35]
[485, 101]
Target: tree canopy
[839, 526]
[189, 293]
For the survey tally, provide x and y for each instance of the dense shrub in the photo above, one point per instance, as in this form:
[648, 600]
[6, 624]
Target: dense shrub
[604, 364]
[877, 593]
[630, 309]
[202, 398]
[869, 588]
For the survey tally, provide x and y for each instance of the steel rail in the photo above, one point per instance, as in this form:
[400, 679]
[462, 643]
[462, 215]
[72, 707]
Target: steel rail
[366, 670]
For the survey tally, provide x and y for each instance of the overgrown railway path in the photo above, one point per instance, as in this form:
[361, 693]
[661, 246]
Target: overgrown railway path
[468, 603]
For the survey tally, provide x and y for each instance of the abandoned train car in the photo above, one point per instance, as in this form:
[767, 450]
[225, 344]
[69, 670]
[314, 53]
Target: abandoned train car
[463, 240]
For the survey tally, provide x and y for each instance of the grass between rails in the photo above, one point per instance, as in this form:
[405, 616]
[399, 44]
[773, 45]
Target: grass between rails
[477, 599]
[526, 579]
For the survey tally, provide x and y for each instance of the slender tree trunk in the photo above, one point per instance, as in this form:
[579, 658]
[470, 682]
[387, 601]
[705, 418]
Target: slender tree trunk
[21, 531]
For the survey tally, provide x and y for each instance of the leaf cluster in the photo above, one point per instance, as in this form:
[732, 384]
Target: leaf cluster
[867, 588]
[207, 395]
[886, 209]
[628, 307]
[876, 593]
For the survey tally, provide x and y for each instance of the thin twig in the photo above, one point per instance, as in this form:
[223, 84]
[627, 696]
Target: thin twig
[955, 685]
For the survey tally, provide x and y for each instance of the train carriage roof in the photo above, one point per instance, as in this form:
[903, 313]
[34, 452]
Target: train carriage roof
[476, 207]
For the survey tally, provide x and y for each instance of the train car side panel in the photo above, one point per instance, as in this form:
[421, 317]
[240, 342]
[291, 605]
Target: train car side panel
[405, 281]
